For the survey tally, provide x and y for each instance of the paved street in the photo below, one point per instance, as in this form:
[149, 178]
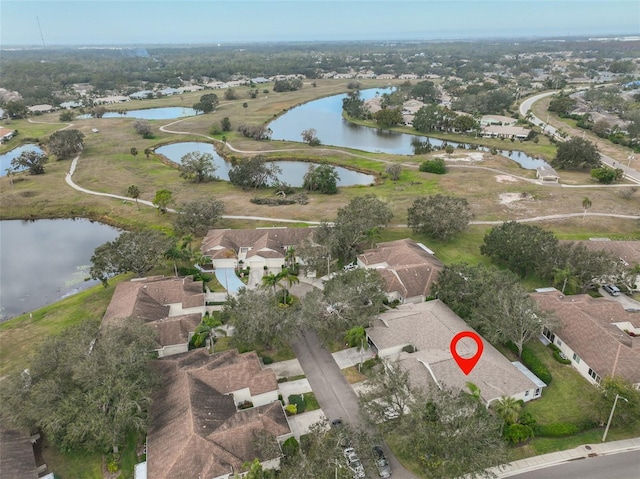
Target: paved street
[615, 466]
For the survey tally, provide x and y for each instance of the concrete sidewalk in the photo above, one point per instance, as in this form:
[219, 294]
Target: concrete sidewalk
[555, 458]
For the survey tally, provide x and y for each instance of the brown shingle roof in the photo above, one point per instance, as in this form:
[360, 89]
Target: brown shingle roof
[175, 330]
[196, 430]
[430, 327]
[17, 460]
[405, 266]
[148, 299]
[587, 326]
[267, 242]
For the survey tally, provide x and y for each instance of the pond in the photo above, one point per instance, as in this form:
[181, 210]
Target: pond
[5, 159]
[292, 171]
[165, 113]
[44, 261]
[325, 116]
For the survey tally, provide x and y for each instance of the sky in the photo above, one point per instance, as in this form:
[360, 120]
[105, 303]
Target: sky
[140, 22]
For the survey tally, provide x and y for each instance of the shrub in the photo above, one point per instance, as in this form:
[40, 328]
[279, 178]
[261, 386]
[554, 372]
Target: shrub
[245, 405]
[531, 361]
[557, 429]
[409, 348]
[436, 166]
[557, 357]
[517, 433]
[290, 447]
[266, 360]
[291, 409]
[298, 401]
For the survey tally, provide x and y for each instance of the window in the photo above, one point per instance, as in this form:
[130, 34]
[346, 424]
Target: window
[244, 250]
[576, 358]
[526, 393]
[558, 342]
[594, 375]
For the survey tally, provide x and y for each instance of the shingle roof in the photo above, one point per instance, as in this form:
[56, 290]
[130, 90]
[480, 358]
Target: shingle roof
[430, 327]
[17, 460]
[196, 430]
[405, 266]
[148, 299]
[267, 242]
[587, 327]
[629, 251]
[176, 329]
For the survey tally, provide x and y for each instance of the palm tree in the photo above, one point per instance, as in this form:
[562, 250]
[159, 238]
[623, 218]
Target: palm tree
[357, 337]
[270, 281]
[474, 390]
[134, 192]
[508, 409]
[289, 278]
[564, 276]
[586, 204]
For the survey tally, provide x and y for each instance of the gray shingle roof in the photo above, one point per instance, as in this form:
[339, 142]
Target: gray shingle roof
[430, 327]
[17, 460]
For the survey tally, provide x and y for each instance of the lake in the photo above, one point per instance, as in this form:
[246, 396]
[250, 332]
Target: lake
[44, 261]
[325, 116]
[292, 171]
[164, 113]
[5, 159]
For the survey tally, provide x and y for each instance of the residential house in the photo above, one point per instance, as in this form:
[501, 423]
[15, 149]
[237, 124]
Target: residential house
[497, 120]
[106, 100]
[141, 95]
[169, 91]
[190, 88]
[6, 134]
[261, 80]
[501, 131]
[408, 268]
[599, 337]
[198, 425]
[546, 174]
[37, 109]
[256, 248]
[17, 460]
[68, 105]
[427, 329]
[628, 252]
[173, 307]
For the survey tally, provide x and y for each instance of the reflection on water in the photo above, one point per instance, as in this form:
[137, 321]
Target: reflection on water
[43, 261]
[164, 113]
[5, 159]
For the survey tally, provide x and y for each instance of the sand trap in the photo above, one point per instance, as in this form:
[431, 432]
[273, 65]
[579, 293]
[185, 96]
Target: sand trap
[509, 198]
[470, 156]
[506, 179]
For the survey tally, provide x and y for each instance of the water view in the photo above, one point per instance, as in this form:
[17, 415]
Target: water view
[44, 261]
[292, 171]
[164, 113]
[5, 159]
[325, 116]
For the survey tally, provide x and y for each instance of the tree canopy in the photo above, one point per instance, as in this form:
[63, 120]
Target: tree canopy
[136, 252]
[207, 103]
[32, 161]
[197, 217]
[198, 167]
[254, 172]
[322, 178]
[575, 154]
[85, 388]
[64, 144]
[439, 216]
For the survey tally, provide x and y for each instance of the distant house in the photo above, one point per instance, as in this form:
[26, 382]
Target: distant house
[173, 307]
[497, 120]
[500, 131]
[6, 134]
[169, 91]
[427, 329]
[141, 95]
[17, 460]
[190, 88]
[546, 174]
[41, 108]
[594, 335]
[107, 100]
[67, 105]
[260, 80]
[408, 269]
[256, 248]
[199, 427]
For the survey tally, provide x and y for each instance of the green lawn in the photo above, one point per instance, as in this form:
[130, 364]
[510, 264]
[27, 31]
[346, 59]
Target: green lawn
[567, 398]
[78, 464]
[310, 402]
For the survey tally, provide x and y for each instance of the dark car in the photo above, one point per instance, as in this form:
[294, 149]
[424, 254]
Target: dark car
[612, 289]
[382, 464]
[336, 423]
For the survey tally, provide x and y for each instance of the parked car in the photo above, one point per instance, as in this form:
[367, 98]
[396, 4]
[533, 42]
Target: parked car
[382, 464]
[353, 463]
[612, 289]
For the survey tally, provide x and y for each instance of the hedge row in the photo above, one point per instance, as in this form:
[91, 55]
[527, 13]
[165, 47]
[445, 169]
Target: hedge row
[531, 361]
